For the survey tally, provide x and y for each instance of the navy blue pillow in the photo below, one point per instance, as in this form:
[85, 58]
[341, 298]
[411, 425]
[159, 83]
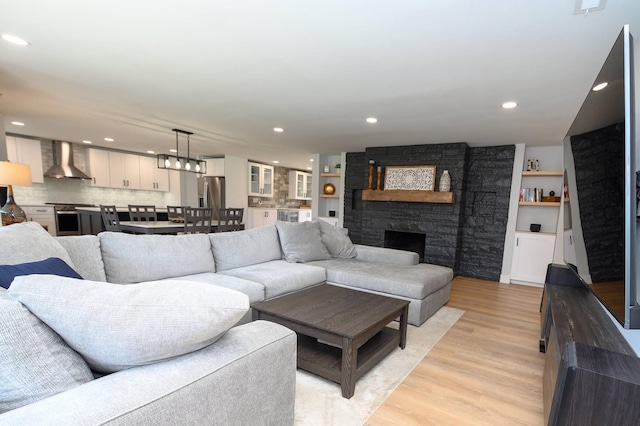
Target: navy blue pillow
[50, 266]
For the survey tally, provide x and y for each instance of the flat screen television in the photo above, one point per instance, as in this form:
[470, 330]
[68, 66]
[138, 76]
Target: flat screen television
[600, 205]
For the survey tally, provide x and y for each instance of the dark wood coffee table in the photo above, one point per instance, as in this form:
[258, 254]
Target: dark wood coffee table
[342, 333]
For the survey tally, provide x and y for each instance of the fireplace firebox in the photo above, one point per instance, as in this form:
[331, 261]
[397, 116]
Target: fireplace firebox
[411, 241]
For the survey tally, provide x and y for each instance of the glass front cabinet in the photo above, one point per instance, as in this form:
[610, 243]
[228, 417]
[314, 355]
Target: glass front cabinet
[260, 180]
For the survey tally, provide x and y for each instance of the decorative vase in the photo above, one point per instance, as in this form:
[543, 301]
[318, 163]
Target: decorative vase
[445, 182]
[329, 189]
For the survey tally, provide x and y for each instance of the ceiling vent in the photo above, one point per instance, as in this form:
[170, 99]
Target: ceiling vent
[583, 7]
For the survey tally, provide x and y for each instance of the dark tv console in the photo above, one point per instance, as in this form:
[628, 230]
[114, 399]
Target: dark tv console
[591, 375]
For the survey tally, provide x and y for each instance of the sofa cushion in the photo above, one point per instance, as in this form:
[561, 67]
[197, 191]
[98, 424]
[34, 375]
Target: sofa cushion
[132, 258]
[254, 290]
[29, 242]
[237, 249]
[36, 362]
[51, 266]
[412, 281]
[301, 241]
[336, 240]
[280, 277]
[121, 326]
[84, 251]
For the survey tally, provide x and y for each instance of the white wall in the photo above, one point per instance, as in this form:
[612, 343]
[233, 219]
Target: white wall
[237, 183]
[509, 237]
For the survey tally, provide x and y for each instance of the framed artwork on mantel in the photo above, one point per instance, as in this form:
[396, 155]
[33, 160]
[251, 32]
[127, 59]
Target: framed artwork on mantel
[421, 178]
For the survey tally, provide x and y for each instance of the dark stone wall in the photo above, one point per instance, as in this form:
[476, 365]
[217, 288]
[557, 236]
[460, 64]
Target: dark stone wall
[489, 178]
[599, 164]
[468, 235]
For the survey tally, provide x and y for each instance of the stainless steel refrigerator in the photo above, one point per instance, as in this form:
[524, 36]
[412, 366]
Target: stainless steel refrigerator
[211, 193]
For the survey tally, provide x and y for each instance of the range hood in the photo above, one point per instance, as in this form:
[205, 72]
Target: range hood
[63, 166]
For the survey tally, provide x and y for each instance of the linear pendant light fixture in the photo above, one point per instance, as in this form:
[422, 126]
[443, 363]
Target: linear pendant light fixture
[175, 162]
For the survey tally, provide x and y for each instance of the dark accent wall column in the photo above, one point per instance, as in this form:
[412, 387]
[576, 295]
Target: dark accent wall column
[353, 195]
[486, 211]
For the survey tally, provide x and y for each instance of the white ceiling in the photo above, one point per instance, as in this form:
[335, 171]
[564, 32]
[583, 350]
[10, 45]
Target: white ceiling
[230, 71]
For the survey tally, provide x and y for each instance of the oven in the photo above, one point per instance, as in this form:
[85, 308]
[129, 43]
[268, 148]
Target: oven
[67, 220]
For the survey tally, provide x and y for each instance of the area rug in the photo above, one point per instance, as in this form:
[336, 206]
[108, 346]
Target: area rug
[320, 402]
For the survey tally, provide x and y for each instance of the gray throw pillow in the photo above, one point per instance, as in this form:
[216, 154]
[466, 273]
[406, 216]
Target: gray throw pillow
[29, 242]
[116, 326]
[36, 362]
[301, 242]
[336, 240]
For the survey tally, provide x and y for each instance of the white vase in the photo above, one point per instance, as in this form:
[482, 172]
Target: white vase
[445, 182]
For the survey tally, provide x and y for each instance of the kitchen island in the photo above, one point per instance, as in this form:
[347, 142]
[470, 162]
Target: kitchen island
[91, 220]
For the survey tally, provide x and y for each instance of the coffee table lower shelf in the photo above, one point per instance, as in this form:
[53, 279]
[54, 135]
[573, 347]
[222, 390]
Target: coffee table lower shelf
[326, 360]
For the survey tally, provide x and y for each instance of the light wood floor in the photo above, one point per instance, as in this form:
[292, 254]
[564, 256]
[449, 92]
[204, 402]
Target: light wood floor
[487, 369]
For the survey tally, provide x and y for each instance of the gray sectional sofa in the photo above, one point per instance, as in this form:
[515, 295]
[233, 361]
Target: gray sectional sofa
[243, 375]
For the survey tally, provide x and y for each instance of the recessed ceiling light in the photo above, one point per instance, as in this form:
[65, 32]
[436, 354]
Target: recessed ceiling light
[275, 161]
[17, 123]
[15, 40]
[151, 152]
[509, 105]
[173, 150]
[109, 139]
[311, 159]
[86, 141]
[371, 120]
[278, 129]
[309, 168]
[600, 86]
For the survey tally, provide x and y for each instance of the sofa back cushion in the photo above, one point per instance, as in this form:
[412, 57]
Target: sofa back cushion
[243, 248]
[85, 253]
[29, 242]
[36, 362]
[132, 258]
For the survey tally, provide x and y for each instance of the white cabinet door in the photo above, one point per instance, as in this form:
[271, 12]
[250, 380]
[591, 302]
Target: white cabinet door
[44, 215]
[260, 180]
[124, 170]
[26, 151]
[98, 164]
[299, 185]
[151, 177]
[532, 253]
[215, 167]
[260, 217]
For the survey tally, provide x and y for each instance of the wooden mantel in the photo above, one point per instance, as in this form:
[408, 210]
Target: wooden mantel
[409, 196]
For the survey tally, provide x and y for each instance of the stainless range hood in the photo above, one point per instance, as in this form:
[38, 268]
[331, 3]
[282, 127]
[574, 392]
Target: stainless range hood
[63, 166]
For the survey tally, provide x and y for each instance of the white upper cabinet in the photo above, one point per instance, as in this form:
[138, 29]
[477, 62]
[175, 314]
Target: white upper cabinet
[124, 170]
[98, 164]
[26, 151]
[260, 180]
[151, 177]
[299, 185]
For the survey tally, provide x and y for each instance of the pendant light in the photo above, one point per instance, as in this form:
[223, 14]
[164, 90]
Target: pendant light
[175, 162]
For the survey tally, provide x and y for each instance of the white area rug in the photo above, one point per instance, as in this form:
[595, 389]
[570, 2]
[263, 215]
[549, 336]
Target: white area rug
[320, 402]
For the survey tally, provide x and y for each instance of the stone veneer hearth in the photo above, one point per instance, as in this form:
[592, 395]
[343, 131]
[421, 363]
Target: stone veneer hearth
[467, 235]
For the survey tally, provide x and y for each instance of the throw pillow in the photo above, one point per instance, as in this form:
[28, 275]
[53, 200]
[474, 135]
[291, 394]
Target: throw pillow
[51, 266]
[336, 240]
[301, 242]
[36, 362]
[116, 326]
[29, 242]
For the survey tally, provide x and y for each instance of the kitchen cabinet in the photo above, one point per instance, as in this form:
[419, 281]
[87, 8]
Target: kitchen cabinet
[98, 163]
[151, 177]
[299, 185]
[26, 151]
[124, 170]
[532, 253]
[304, 215]
[261, 217]
[44, 215]
[215, 167]
[260, 180]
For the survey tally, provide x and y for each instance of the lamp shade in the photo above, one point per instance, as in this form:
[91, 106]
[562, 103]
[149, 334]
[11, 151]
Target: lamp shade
[14, 174]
